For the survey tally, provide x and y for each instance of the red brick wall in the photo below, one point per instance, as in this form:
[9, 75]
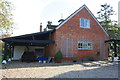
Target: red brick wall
[71, 29]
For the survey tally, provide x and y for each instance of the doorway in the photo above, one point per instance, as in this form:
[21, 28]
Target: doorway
[39, 52]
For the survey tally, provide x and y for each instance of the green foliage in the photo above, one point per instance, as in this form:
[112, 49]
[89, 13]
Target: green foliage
[59, 55]
[91, 57]
[74, 58]
[6, 16]
[0, 58]
[105, 12]
[110, 26]
[85, 59]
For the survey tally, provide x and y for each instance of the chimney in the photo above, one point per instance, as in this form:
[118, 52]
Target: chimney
[40, 27]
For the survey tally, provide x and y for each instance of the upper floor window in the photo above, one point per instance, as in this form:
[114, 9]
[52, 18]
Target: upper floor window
[84, 23]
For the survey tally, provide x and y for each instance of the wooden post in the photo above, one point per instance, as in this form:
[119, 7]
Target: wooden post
[12, 51]
[5, 53]
[115, 50]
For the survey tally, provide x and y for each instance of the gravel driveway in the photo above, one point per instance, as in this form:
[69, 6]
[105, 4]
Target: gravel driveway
[96, 69]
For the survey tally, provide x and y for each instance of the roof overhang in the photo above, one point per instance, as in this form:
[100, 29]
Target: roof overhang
[112, 40]
[35, 39]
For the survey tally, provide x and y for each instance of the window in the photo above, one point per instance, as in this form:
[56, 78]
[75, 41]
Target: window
[85, 45]
[84, 23]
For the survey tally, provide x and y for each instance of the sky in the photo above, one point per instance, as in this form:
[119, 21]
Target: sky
[28, 14]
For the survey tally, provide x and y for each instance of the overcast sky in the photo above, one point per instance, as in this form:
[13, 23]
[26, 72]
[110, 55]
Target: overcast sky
[28, 14]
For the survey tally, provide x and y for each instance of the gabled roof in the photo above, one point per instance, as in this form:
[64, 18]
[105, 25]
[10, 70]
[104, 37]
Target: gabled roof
[84, 6]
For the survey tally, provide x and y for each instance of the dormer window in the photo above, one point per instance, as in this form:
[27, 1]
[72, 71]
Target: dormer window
[84, 23]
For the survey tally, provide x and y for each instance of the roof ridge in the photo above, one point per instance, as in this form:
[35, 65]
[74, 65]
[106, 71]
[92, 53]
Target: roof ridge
[69, 17]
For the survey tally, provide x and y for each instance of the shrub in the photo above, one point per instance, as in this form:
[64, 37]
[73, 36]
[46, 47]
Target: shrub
[74, 59]
[0, 58]
[91, 57]
[85, 59]
[59, 55]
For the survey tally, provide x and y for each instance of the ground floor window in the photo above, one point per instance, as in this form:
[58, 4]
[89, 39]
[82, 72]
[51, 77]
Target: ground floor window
[85, 45]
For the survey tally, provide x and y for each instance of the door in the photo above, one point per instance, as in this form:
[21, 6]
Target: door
[67, 46]
[102, 49]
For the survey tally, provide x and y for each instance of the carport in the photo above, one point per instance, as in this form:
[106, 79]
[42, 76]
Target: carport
[41, 39]
[116, 48]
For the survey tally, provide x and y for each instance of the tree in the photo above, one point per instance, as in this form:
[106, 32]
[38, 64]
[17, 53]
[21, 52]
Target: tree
[110, 26]
[104, 15]
[6, 17]
[105, 12]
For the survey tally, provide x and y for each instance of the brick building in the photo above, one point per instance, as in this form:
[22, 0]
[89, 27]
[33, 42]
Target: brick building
[80, 35]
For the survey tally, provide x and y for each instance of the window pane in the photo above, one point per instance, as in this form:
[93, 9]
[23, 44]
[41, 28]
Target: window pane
[84, 23]
[88, 23]
[81, 22]
[89, 45]
[80, 45]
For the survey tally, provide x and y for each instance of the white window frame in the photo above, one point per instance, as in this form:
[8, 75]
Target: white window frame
[85, 45]
[84, 23]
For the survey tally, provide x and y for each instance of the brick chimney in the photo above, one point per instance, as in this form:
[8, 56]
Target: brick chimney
[40, 27]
